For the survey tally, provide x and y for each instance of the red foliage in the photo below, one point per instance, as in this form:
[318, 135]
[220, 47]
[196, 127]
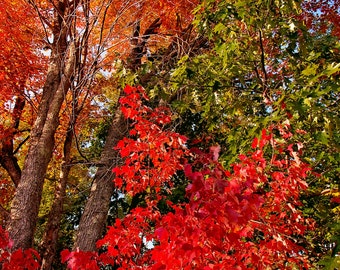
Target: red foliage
[322, 16]
[80, 259]
[19, 259]
[247, 218]
[155, 156]
[19, 59]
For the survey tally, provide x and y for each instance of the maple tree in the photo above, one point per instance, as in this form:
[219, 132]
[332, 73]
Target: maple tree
[148, 29]
[263, 69]
[85, 46]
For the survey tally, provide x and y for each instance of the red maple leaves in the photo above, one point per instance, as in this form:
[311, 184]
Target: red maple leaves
[153, 153]
[18, 259]
[247, 218]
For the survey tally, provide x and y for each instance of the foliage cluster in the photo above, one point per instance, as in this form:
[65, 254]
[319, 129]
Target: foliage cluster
[246, 218]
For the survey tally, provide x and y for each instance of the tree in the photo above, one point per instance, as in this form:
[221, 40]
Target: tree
[25, 204]
[263, 69]
[93, 221]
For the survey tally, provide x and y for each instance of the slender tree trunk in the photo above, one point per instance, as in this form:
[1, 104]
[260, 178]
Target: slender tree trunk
[93, 220]
[50, 237]
[26, 201]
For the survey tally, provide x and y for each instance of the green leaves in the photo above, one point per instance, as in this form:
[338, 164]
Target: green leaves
[265, 66]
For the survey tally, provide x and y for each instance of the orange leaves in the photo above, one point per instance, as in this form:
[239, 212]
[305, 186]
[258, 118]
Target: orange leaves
[127, 23]
[175, 15]
[18, 59]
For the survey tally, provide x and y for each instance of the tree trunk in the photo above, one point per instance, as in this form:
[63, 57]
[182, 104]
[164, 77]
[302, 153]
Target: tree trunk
[26, 201]
[93, 220]
[50, 237]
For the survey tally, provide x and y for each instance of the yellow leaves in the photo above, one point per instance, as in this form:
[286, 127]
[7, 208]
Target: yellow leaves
[310, 70]
[292, 27]
[332, 69]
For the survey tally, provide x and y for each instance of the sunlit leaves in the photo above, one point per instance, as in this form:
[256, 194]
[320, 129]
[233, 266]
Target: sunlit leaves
[19, 57]
[153, 152]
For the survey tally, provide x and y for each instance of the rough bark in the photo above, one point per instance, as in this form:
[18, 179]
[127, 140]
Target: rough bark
[93, 220]
[50, 237]
[81, 80]
[26, 201]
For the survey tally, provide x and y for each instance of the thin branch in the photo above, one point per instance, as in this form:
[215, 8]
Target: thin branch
[20, 144]
[78, 149]
[42, 18]
[263, 64]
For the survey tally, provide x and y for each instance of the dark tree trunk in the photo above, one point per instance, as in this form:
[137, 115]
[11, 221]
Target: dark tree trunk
[139, 43]
[93, 220]
[50, 237]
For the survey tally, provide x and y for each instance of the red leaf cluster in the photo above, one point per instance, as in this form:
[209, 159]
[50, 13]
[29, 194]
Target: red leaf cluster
[322, 16]
[153, 153]
[246, 218]
[18, 259]
[80, 259]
